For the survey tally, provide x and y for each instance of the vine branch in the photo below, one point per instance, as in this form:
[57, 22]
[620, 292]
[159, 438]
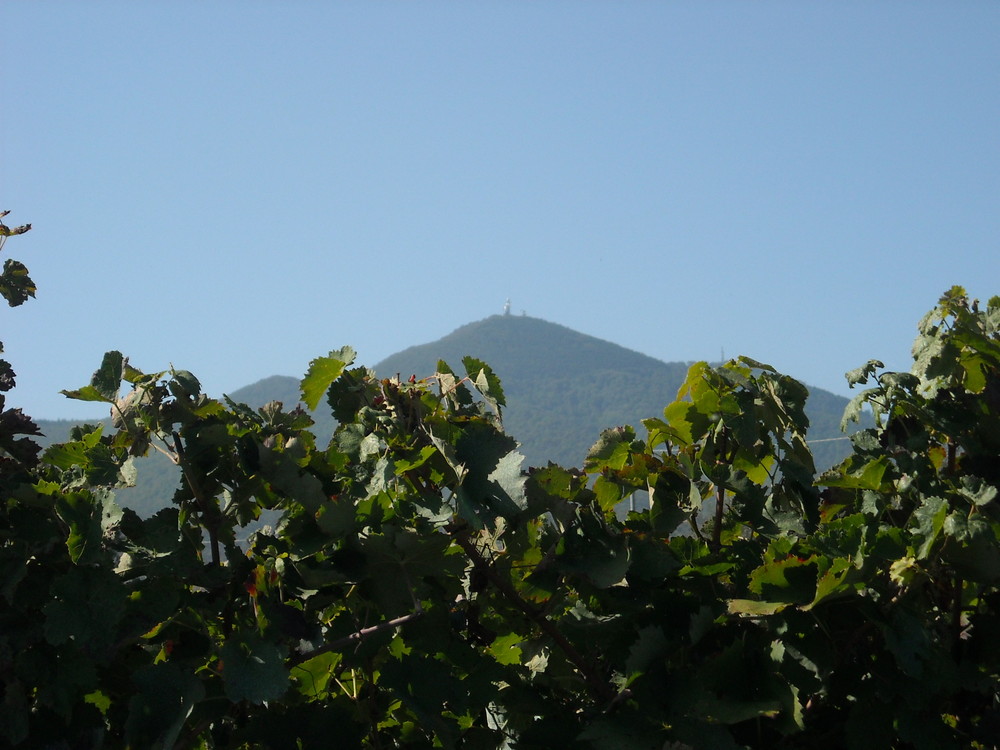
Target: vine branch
[358, 636]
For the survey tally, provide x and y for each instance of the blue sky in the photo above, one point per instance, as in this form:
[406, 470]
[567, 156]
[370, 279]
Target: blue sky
[236, 188]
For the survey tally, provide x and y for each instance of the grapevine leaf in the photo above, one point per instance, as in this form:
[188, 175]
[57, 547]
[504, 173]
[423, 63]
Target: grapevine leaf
[837, 580]
[86, 607]
[166, 697]
[791, 579]
[868, 476]
[254, 669]
[928, 521]
[15, 284]
[686, 422]
[105, 382]
[14, 725]
[978, 491]
[861, 374]
[321, 374]
[7, 376]
[852, 412]
[650, 644]
[604, 562]
[312, 676]
[608, 493]
[481, 450]
[909, 642]
[83, 519]
[754, 608]
[506, 649]
[183, 383]
[336, 517]
[975, 373]
[486, 381]
[451, 386]
[404, 465]
[507, 480]
[659, 433]
[621, 733]
[612, 449]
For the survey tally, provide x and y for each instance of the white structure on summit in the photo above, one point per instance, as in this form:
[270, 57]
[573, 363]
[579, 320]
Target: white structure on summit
[506, 307]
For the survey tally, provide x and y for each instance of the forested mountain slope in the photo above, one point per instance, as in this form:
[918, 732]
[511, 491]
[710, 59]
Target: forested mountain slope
[562, 389]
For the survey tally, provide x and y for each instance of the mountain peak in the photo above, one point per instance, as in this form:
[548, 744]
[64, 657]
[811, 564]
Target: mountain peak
[515, 343]
[562, 386]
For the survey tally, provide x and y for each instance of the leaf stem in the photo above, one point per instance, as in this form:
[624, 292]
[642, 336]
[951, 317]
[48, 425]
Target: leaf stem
[720, 497]
[211, 523]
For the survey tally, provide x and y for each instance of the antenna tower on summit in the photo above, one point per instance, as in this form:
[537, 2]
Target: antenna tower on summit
[506, 307]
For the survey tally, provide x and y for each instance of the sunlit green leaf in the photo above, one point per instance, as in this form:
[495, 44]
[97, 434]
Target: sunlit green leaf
[403, 465]
[608, 493]
[754, 608]
[862, 374]
[486, 382]
[321, 374]
[314, 676]
[506, 649]
[837, 580]
[867, 476]
[612, 449]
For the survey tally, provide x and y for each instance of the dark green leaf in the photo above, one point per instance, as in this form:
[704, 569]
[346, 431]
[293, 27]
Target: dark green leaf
[105, 382]
[86, 606]
[253, 669]
[928, 521]
[83, 518]
[15, 284]
[165, 699]
[650, 645]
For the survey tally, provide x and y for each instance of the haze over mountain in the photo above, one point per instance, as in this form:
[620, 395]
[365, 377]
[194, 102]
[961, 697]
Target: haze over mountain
[562, 389]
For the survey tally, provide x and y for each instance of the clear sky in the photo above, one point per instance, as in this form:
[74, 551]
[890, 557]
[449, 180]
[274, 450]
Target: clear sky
[235, 188]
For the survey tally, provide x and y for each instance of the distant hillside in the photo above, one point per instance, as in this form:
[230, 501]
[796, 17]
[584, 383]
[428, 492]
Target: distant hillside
[57, 430]
[275, 388]
[562, 387]
[157, 476]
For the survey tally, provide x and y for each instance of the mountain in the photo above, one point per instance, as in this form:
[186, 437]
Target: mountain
[562, 389]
